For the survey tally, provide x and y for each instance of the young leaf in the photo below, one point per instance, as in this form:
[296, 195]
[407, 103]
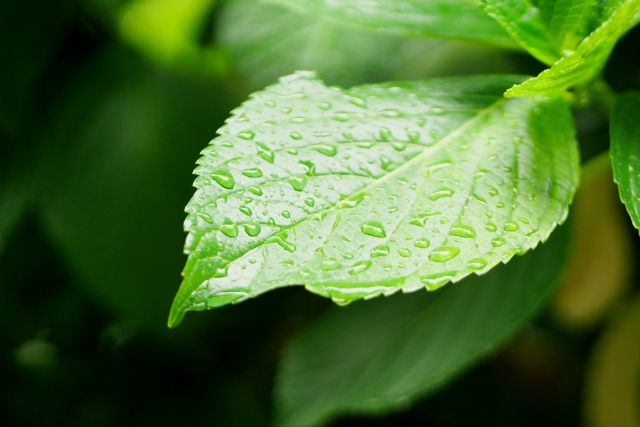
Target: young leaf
[381, 356]
[546, 29]
[366, 191]
[587, 60]
[450, 19]
[625, 151]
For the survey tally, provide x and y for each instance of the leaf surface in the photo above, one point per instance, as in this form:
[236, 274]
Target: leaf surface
[450, 19]
[625, 151]
[587, 60]
[375, 189]
[546, 29]
[382, 355]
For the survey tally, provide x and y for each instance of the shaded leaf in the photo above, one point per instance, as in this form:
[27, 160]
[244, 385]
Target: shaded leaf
[625, 151]
[382, 355]
[361, 192]
[586, 62]
[450, 19]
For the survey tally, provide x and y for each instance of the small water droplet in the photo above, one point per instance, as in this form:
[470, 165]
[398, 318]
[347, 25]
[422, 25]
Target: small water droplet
[391, 113]
[323, 105]
[440, 193]
[382, 250]
[422, 243]
[285, 110]
[497, 242]
[435, 281]
[491, 227]
[499, 205]
[224, 179]
[404, 252]
[385, 133]
[255, 190]
[326, 149]
[347, 255]
[414, 136]
[330, 264]
[359, 267]
[374, 228]
[247, 135]
[437, 111]
[206, 217]
[245, 210]
[511, 226]
[281, 239]
[229, 230]
[477, 264]
[493, 192]
[309, 202]
[285, 214]
[252, 228]
[252, 173]
[298, 182]
[444, 253]
[462, 230]
[399, 146]
[295, 135]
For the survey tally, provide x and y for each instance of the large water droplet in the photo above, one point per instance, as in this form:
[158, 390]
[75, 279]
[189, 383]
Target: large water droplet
[265, 152]
[499, 241]
[374, 228]
[255, 190]
[252, 228]
[247, 134]
[422, 243]
[477, 264]
[414, 136]
[440, 193]
[462, 230]
[309, 202]
[326, 149]
[444, 253]
[224, 178]
[491, 227]
[385, 133]
[404, 252]
[252, 173]
[285, 214]
[359, 267]
[295, 135]
[330, 264]
[229, 230]
[511, 226]
[382, 250]
[298, 182]
[245, 210]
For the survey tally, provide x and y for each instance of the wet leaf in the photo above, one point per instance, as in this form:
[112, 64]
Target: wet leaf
[450, 19]
[374, 189]
[380, 356]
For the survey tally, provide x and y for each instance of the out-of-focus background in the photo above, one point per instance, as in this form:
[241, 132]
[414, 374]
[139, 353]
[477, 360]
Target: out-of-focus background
[104, 107]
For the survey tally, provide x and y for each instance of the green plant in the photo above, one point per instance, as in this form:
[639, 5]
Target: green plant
[362, 192]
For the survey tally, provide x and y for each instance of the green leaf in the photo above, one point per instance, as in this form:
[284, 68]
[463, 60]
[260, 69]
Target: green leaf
[587, 60]
[450, 19]
[625, 151]
[547, 29]
[381, 356]
[374, 189]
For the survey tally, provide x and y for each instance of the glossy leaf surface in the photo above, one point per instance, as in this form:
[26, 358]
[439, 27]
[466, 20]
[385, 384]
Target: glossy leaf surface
[625, 151]
[588, 59]
[375, 189]
[451, 19]
[382, 355]
[546, 29]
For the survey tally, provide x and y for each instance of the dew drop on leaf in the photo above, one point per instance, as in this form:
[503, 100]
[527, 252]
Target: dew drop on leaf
[440, 193]
[330, 264]
[359, 267]
[511, 226]
[497, 242]
[374, 228]
[298, 182]
[295, 135]
[252, 173]
[229, 230]
[247, 135]
[404, 252]
[224, 179]
[477, 264]
[444, 253]
[462, 230]
[252, 228]
[327, 150]
[245, 210]
[422, 243]
[285, 214]
[309, 202]
[378, 251]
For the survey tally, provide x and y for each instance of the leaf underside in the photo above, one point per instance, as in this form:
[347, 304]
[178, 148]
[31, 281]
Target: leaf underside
[449, 19]
[587, 61]
[374, 189]
[625, 151]
[383, 355]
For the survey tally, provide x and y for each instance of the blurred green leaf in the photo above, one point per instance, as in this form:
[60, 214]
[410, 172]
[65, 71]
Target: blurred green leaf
[546, 29]
[361, 192]
[449, 19]
[588, 59]
[625, 151]
[382, 355]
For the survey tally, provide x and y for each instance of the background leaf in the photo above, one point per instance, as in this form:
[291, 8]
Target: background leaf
[625, 151]
[361, 192]
[451, 19]
[381, 355]
[588, 59]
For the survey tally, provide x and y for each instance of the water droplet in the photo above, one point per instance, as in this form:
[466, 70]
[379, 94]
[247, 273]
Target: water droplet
[347, 255]
[477, 264]
[285, 110]
[499, 205]
[359, 267]
[341, 116]
[444, 253]
[285, 214]
[382, 250]
[357, 101]
[296, 136]
[281, 239]
[309, 202]
[265, 152]
[493, 192]
[462, 230]
[323, 105]
[399, 146]
[247, 135]
[245, 210]
[298, 182]
[391, 113]
[497, 242]
[252, 228]
[255, 190]
[252, 173]
[229, 230]
[491, 227]
[414, 136]
[385, 162]
[271, 222]
[385, 133]
[374, 228]
[440, 193]
[437, 111]
[327, 150]
[511, 226]
[422, 243]
[330, 264]
[435, 281]
[224, 178]
[404, 252]
[206, 217]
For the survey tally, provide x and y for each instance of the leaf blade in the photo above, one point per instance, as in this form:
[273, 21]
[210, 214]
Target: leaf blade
[380, 356]
[457, 19]
[625, 151]
[317, 181]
